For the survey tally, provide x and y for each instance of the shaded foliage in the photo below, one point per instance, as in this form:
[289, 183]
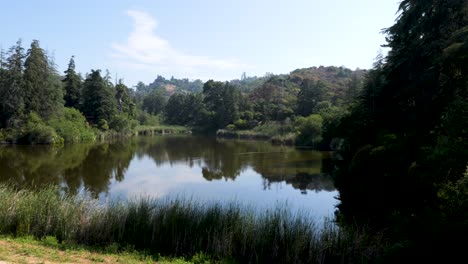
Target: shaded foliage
[98, 99]
[42, 87]
[406, 144]
[72, 85]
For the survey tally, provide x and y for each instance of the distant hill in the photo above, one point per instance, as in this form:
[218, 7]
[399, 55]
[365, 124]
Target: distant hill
[336, 79]
[171, 86]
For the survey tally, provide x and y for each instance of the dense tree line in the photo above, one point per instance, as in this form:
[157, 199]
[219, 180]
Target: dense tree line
[36, 98]
[38, 105]
[404, 167]
[271, 105]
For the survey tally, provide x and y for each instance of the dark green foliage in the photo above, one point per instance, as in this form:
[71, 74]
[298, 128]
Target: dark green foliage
[251, 101]
[406, 144]
[309, 130]
[274, 100]
[99, 104]
[154, 102]
[309, 96]
[72, 126]
[42, 87]
[222, 99]
[72, 86]
[183, 109]
[11, 86]
[121, 123]
[35, 131]
[125, 104]
[147, 119]
[355, 86]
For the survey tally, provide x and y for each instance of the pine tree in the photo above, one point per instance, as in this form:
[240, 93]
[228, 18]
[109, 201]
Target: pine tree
[42, 87]
[408, 134]
[98, 99]
[222, 99]
[72, 85]
[155, 102]
[11, 86]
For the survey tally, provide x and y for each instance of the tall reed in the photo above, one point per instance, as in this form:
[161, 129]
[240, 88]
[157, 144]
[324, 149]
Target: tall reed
[176, 227]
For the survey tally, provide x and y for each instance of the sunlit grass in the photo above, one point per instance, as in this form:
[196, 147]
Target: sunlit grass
[161, 129]
[173, 227]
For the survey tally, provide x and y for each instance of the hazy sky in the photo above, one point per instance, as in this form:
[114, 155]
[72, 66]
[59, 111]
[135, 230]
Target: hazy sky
[206, 39]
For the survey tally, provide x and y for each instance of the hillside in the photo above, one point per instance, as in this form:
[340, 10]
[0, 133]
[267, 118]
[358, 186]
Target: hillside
[336, 79]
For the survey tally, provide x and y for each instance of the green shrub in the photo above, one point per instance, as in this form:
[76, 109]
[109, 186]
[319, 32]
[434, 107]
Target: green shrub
[41, 135]
[103, 125]
[274, 128]
[146, 119]
[309, 130]
[201, 258]
[230, 127]
[121, 123]
[241, 124]
[37, 132]
[71, 125]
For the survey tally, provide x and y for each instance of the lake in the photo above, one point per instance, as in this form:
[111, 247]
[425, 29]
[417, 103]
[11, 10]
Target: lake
[254, 173]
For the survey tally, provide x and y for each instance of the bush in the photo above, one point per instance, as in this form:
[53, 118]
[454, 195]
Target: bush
[309, 130]
[71, 125]
[121, 123]
[146, 119]
[274, 128]
[230, 127]
[42, 135]
[241, 124]
[37, 132]
[103, 125]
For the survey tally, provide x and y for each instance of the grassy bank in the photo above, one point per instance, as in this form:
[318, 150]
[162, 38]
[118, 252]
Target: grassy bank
[161, 130]
[177, 228]
[275, 132]
[141, 131]
[26, 249]
[287, 139]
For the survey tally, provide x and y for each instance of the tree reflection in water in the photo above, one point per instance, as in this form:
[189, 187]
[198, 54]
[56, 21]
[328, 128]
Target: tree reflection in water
[94, 166]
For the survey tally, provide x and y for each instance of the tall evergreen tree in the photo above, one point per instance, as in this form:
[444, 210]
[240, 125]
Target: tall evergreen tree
[223, 100]
[72, 85]
[125, 103]
[175, 110]
[42, 86]
[98, 98]
[154, 102]
[408, 135]
[11, 86]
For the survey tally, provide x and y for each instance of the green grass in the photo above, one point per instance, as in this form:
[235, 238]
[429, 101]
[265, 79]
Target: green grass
[276, 132]
[26, 249]
[178, 227]
[241, 134]
[161, 129]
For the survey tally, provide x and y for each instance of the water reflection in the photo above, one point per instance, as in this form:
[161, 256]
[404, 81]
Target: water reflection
[161, 165]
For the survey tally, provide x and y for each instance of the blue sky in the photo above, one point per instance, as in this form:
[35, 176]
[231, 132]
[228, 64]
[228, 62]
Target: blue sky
[207, 39]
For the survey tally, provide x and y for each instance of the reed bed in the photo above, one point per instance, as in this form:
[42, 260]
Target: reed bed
[177, 227]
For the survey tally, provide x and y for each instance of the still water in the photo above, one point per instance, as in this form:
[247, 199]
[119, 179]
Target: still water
[206, 169]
